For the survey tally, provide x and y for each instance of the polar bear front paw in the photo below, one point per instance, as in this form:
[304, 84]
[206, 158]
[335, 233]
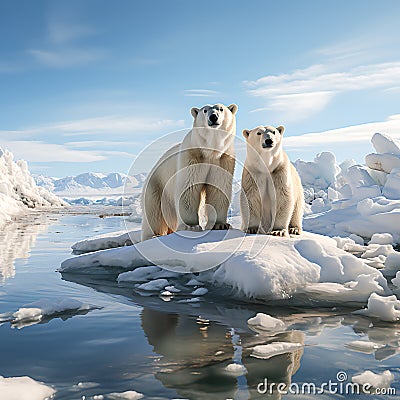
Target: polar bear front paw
[193, 228]
[278, 232]
[221, 226]
[294, 230]
[252, 230]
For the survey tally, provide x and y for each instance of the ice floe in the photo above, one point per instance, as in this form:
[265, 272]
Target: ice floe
[255, 266]
[384, 308]
[265, 323]
[273, 349]
[24, 388]
[36, 312]
[380, 381]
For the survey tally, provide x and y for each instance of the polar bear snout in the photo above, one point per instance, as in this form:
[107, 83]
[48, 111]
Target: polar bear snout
[213, 119]
[268, 142]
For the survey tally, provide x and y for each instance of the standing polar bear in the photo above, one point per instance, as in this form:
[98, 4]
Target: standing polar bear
[192, 173]
[271, 200]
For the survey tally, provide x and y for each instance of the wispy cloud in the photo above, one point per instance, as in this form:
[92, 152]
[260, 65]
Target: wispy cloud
[307, 91]
[345, 136]
[63, 45]
[101, 125]
[200, 93]
[66, 57]
[36, 151]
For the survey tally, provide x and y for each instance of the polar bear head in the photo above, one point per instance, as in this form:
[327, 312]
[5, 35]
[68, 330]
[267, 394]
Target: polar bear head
[264, 139]
[217, 116]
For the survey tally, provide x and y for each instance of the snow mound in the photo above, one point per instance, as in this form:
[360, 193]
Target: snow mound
[266, 351]
[128, 395]
[384, 308]
[264, 322]
[309, 266]
[18, 190]
[33, 313]
[106, 241]
[235, 369]
[24, 388]
[354, 199]
[363, 346]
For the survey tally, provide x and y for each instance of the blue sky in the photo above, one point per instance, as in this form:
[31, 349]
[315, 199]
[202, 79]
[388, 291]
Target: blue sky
[86, 85]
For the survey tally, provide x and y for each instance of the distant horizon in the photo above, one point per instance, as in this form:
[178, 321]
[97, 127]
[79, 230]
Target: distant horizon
[88, 85]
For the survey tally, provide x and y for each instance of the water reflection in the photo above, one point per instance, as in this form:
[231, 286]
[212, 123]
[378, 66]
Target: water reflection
[17, 239]
[196, 342]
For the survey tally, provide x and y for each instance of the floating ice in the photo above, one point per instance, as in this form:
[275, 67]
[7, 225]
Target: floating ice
[157, 284]
[363, 346]
[273, 349]
[381, 238]
[264, 322]
[256, 266]
[192, 300]
[84, 385]
[201, 291]
[33, 313]
[129, 395]
[382, 380]
[235, 369]
[384, 308]
[107, 241]
[24, 388]
[172, 289]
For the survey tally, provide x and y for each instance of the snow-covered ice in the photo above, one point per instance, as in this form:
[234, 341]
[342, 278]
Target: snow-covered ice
[264, 322]
[381, 238]
[128, 395]
[266, 351]
[363, 346]
[382, 380]
[18, 190]
[235, 369]
[33, 313]
[24, 388]
[384, 308]
[258, 266]
[107, 241]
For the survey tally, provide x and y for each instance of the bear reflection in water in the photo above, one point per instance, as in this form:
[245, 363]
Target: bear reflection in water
[195, 352]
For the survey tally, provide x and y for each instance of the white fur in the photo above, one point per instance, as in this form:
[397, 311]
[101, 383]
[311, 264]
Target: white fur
[198, 170]
[272, 195]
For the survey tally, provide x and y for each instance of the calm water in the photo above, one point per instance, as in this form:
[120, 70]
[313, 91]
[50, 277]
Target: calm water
[163, 350]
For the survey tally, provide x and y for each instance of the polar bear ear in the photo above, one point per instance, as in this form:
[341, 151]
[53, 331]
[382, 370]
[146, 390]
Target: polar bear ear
[280, 129]
[233, 108]
[246, 133]
[194, 111]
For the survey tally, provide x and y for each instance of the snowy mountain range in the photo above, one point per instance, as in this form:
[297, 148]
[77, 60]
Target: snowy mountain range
[91, 183]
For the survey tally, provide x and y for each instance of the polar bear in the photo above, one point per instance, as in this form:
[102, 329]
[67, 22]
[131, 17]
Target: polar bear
[199, 170]
[271, 198]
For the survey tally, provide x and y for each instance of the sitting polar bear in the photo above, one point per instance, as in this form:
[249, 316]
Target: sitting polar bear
[199, 170]
[271, 199]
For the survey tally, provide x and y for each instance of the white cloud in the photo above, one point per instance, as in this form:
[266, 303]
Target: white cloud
[66, 57]
[351, 135]
[35, 151]
[101, 125]
[298, 92]
[60, 31]
[200, 93]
